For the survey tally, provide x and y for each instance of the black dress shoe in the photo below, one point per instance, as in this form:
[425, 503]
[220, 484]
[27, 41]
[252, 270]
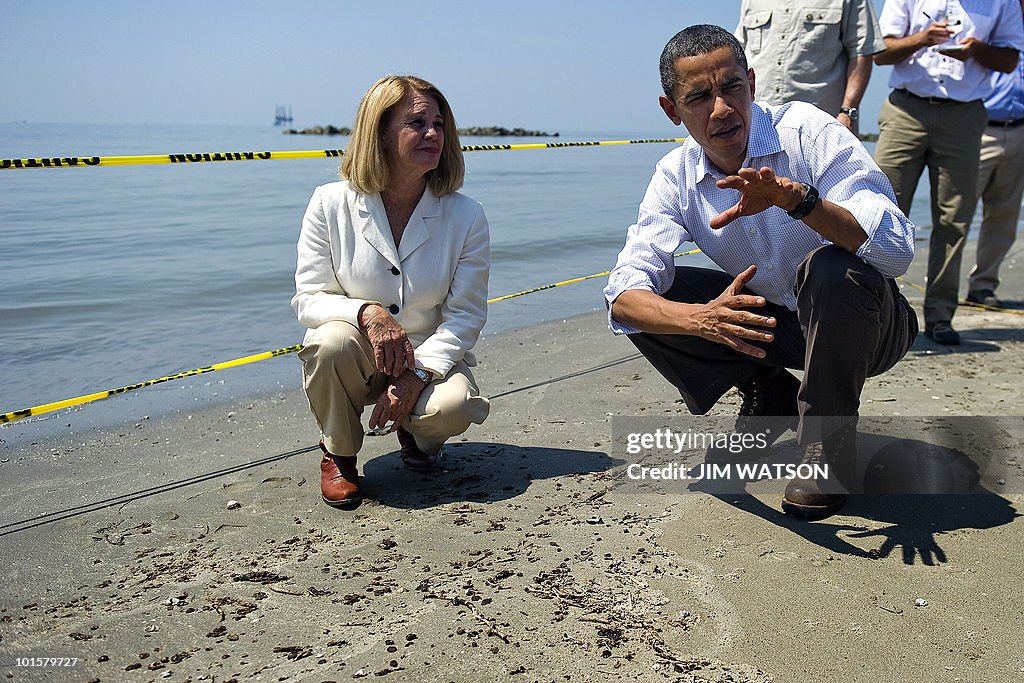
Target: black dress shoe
[769, 406]
[943, 333]
[985, 297]
[415, 459]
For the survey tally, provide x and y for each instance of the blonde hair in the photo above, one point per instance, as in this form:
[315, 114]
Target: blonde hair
[365, 165]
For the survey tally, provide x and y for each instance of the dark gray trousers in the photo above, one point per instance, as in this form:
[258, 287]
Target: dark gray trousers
[851, 323]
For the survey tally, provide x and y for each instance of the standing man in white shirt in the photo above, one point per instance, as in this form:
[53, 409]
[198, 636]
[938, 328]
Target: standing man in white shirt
[944, 52]
[788, 203]
[813, 51]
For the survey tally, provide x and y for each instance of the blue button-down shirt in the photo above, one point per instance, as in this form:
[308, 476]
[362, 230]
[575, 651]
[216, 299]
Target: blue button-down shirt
[798, 141]
[1006, 103]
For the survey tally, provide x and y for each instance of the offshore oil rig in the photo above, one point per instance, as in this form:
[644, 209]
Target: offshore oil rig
[282, 115]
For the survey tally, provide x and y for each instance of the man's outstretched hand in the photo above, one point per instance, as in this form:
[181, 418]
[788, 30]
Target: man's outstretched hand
[759, 190]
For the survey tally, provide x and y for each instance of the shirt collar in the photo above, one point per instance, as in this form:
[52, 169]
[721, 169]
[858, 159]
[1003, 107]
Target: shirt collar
[762, 140]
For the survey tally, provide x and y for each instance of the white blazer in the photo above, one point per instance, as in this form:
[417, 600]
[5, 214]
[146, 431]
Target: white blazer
[434, 284]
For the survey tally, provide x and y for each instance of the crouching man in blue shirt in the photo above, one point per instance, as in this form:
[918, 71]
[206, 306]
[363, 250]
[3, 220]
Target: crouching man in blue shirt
[789, 204]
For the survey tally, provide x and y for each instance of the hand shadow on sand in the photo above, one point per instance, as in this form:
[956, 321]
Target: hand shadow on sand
[920, 490]
[474, 472]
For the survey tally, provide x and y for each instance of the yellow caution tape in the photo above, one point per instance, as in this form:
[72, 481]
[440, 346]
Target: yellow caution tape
[968, 304]
[139, 160]
[569, 282]
[88, 398]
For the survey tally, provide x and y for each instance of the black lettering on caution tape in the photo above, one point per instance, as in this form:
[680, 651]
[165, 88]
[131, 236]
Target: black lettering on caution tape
[555, 145]
[49, 162]
[217, 156]
[16, 415]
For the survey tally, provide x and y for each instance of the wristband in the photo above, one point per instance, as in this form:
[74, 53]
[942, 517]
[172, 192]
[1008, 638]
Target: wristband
[807, 204]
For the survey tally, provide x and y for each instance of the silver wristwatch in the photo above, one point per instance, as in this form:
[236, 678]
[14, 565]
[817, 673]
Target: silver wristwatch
[424, 376]
[851, 112]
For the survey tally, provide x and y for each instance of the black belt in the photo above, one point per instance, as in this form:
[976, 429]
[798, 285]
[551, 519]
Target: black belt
[929, 100]
[1012, 123]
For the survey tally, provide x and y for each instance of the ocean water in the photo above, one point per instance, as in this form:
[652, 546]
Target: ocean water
[115, 275]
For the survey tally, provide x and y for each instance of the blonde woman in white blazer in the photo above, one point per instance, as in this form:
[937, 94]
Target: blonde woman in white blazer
[391, 283]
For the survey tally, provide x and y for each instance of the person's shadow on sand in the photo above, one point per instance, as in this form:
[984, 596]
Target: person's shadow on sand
[474, 472]
[921, 490]
[973, 340]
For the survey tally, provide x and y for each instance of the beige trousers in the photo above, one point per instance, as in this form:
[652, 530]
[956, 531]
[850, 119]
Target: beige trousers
[1001, 186]
[341, 379]
[945, 136]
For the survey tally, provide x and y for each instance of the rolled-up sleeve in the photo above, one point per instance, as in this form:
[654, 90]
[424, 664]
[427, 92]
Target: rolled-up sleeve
[1009, 29]
[465, 310]
[319, 297]
[647, 260]
[849, 177]
[894, 20]
[861, 34]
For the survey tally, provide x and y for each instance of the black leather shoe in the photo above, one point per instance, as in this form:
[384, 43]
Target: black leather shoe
[769, 405]
[943, 333]
[985, 297]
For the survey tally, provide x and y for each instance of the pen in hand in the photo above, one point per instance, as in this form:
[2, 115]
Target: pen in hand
[929, 17]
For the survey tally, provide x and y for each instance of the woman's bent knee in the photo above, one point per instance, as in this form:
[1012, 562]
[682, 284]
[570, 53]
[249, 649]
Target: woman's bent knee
[332, 339]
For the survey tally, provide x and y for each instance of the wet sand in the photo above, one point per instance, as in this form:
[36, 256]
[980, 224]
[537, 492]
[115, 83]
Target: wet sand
[519, 560]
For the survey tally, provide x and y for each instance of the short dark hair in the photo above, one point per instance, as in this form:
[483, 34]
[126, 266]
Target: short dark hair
[692, 41]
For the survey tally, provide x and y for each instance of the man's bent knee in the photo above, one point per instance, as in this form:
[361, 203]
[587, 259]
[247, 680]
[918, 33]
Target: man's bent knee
[831, 269]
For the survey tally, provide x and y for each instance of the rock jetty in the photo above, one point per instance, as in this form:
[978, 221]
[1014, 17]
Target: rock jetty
[319, 130]
[498, 131]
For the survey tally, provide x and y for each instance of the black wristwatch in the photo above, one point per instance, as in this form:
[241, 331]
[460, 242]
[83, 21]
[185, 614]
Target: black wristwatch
[808, 203]
[851, 112]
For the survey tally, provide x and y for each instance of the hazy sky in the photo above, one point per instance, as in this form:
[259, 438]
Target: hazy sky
[553, 65]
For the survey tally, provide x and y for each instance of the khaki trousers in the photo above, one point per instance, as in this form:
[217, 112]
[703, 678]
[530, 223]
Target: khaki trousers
[945, 136]
[341, 378]
[1001, 186]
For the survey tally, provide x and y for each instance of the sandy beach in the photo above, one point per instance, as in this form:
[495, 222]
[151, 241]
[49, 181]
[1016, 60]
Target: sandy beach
[520, 560]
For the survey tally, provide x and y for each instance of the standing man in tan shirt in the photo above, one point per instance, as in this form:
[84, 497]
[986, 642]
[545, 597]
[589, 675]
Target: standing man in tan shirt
[818, 52]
